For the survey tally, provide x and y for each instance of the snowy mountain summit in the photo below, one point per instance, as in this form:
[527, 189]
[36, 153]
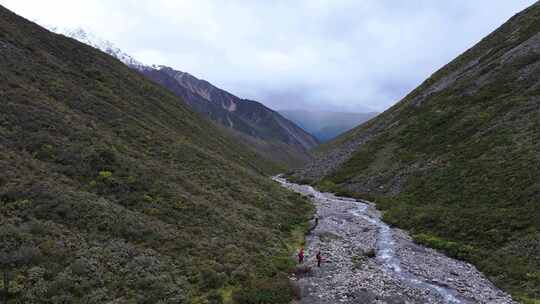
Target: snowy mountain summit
[97, 42]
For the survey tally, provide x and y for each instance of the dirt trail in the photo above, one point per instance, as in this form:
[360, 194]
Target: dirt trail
[396, 271]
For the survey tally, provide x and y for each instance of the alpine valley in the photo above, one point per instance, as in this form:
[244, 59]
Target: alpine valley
[125, 183]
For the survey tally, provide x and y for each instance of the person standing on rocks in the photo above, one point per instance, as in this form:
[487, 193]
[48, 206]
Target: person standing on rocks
[319, 258]
[301, 255]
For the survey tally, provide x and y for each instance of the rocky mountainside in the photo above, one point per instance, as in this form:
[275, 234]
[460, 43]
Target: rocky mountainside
[114, 191]
[272, 135]
[456, 162]
[267, 131]
[326, 125]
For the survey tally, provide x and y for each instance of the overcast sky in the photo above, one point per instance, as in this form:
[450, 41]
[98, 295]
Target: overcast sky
[335, 54]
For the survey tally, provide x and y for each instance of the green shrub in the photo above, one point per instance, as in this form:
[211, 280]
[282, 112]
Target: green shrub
[265, 291]
[211, 279]
[105, 175]
[454, 249]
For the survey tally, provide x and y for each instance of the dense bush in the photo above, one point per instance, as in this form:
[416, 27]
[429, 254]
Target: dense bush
[266, 291]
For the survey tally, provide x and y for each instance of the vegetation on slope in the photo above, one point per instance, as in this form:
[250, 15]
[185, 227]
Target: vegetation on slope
[457, 161]
[113, 191]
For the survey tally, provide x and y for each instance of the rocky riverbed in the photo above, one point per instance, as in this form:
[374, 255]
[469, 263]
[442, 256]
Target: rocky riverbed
[366, 261]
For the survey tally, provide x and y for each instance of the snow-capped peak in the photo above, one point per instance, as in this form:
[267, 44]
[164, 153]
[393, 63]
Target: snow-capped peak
[95, 41]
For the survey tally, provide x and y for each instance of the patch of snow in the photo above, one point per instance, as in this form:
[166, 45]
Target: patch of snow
[97, 42]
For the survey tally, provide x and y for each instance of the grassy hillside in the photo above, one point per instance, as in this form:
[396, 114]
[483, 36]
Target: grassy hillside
[283, 155]
[457, 161]
[113, 191]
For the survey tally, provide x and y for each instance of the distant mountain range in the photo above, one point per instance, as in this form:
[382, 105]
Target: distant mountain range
[326, 125]
[265, 130]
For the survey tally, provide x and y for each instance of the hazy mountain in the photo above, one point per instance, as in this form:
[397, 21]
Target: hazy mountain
[326, 125]
[456, 161]
[263, 129]
[114, 191]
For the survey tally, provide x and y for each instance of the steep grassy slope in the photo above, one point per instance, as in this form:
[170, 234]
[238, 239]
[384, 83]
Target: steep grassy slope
[457, 162]
[284, 155]
[266, 131]
[113, 191]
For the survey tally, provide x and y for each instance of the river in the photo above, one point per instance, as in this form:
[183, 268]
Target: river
[396, 271]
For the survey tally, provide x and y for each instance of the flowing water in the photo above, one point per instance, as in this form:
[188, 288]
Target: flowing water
[386, 255]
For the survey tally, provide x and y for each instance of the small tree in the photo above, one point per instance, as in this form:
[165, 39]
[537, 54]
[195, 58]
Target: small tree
[14, 253]
[5, 264]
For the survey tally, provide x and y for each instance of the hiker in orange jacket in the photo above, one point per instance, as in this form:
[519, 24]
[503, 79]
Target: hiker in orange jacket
[301, 255]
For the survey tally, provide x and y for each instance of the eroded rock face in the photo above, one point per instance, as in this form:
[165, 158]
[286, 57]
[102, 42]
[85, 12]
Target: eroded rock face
[365, 261]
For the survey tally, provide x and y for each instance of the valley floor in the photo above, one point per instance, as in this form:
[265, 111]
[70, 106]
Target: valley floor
[366, 261]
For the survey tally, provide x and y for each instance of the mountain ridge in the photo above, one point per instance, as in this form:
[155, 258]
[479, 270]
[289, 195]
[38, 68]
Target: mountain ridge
[95, 41]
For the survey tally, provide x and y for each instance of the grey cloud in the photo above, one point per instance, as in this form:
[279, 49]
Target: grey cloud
[331, 54]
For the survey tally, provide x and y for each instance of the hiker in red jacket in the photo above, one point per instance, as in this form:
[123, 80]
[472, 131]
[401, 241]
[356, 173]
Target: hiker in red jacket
[301, 256]
[319, 259]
